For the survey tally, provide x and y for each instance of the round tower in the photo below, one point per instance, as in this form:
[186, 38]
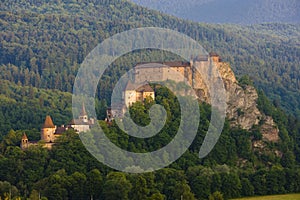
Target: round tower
[48, 130]
[24, 141]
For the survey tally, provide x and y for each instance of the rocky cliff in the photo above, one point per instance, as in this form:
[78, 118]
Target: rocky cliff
[242, 110]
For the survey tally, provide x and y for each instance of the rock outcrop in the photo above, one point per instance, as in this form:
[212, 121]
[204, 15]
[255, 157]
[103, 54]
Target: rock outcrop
[269, 130]
[242, 110]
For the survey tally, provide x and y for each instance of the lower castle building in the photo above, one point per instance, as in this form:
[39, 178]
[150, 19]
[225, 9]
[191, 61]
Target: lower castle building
[132, 93]
[50, 132]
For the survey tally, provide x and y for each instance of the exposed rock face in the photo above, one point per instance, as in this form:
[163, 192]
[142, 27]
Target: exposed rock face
[242, 108]
[269, 130]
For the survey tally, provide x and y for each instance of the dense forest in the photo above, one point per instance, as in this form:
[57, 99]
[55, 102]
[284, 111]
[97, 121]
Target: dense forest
[46, 42]
[42, 46]
[26, 107]
[229, 11]
[233, 169]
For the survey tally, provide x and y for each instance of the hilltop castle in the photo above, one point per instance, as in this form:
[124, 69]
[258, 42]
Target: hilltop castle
[177, 71]
[50, 132]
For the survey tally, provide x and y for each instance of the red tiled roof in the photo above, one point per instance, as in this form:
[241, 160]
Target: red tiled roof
[161, 64]
[24, 137]
[177, 64]
[213, 54]
[60, 130]
[145, 88]
[130, 86]
[48, 122]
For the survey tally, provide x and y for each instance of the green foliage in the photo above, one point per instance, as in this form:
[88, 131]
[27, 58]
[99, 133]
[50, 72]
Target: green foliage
[183, 191]
[157, 196]
[139, 114]
[116, 186]
[94, 183]
[231, 185]
[18, 105]
[247, 187]
[245, 81]
[139, 188]
[8, 191]
[65, 31]
[216, 196]
[69, 171]
[42, 46]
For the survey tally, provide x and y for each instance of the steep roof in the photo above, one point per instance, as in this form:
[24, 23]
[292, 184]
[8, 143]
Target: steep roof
[24, 137]
[213, 54]
[48, 122]
[130, 86]
[60, 130]
[145, 88]
[83, 111]
[77, 122]
[177, 64]
[72, 122]
[162, 64]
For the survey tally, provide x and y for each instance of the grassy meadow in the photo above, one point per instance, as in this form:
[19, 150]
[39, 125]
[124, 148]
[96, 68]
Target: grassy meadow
[274, 197]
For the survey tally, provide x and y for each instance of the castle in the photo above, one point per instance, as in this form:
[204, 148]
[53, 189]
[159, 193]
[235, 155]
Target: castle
[177, 71]
[132, 93]
[50, 132]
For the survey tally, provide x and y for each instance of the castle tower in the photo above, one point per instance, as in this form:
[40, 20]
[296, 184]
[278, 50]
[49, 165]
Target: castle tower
[48, 130]
[214, 57]
[24, 141]
[130, 94]
[83, 115]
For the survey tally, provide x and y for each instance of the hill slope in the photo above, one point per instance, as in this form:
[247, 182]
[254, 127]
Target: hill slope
[229, 11]
[42, 44]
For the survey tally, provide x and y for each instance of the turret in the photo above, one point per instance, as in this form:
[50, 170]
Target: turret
[24, 141]
[48, 130]
[83, 115]
[130, 94]
[214, 57]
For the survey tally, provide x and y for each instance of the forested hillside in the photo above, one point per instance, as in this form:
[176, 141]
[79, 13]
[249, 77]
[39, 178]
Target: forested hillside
[229, 11]
[26, 107]
[234, 168]
[46, 42]
[42, 44]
